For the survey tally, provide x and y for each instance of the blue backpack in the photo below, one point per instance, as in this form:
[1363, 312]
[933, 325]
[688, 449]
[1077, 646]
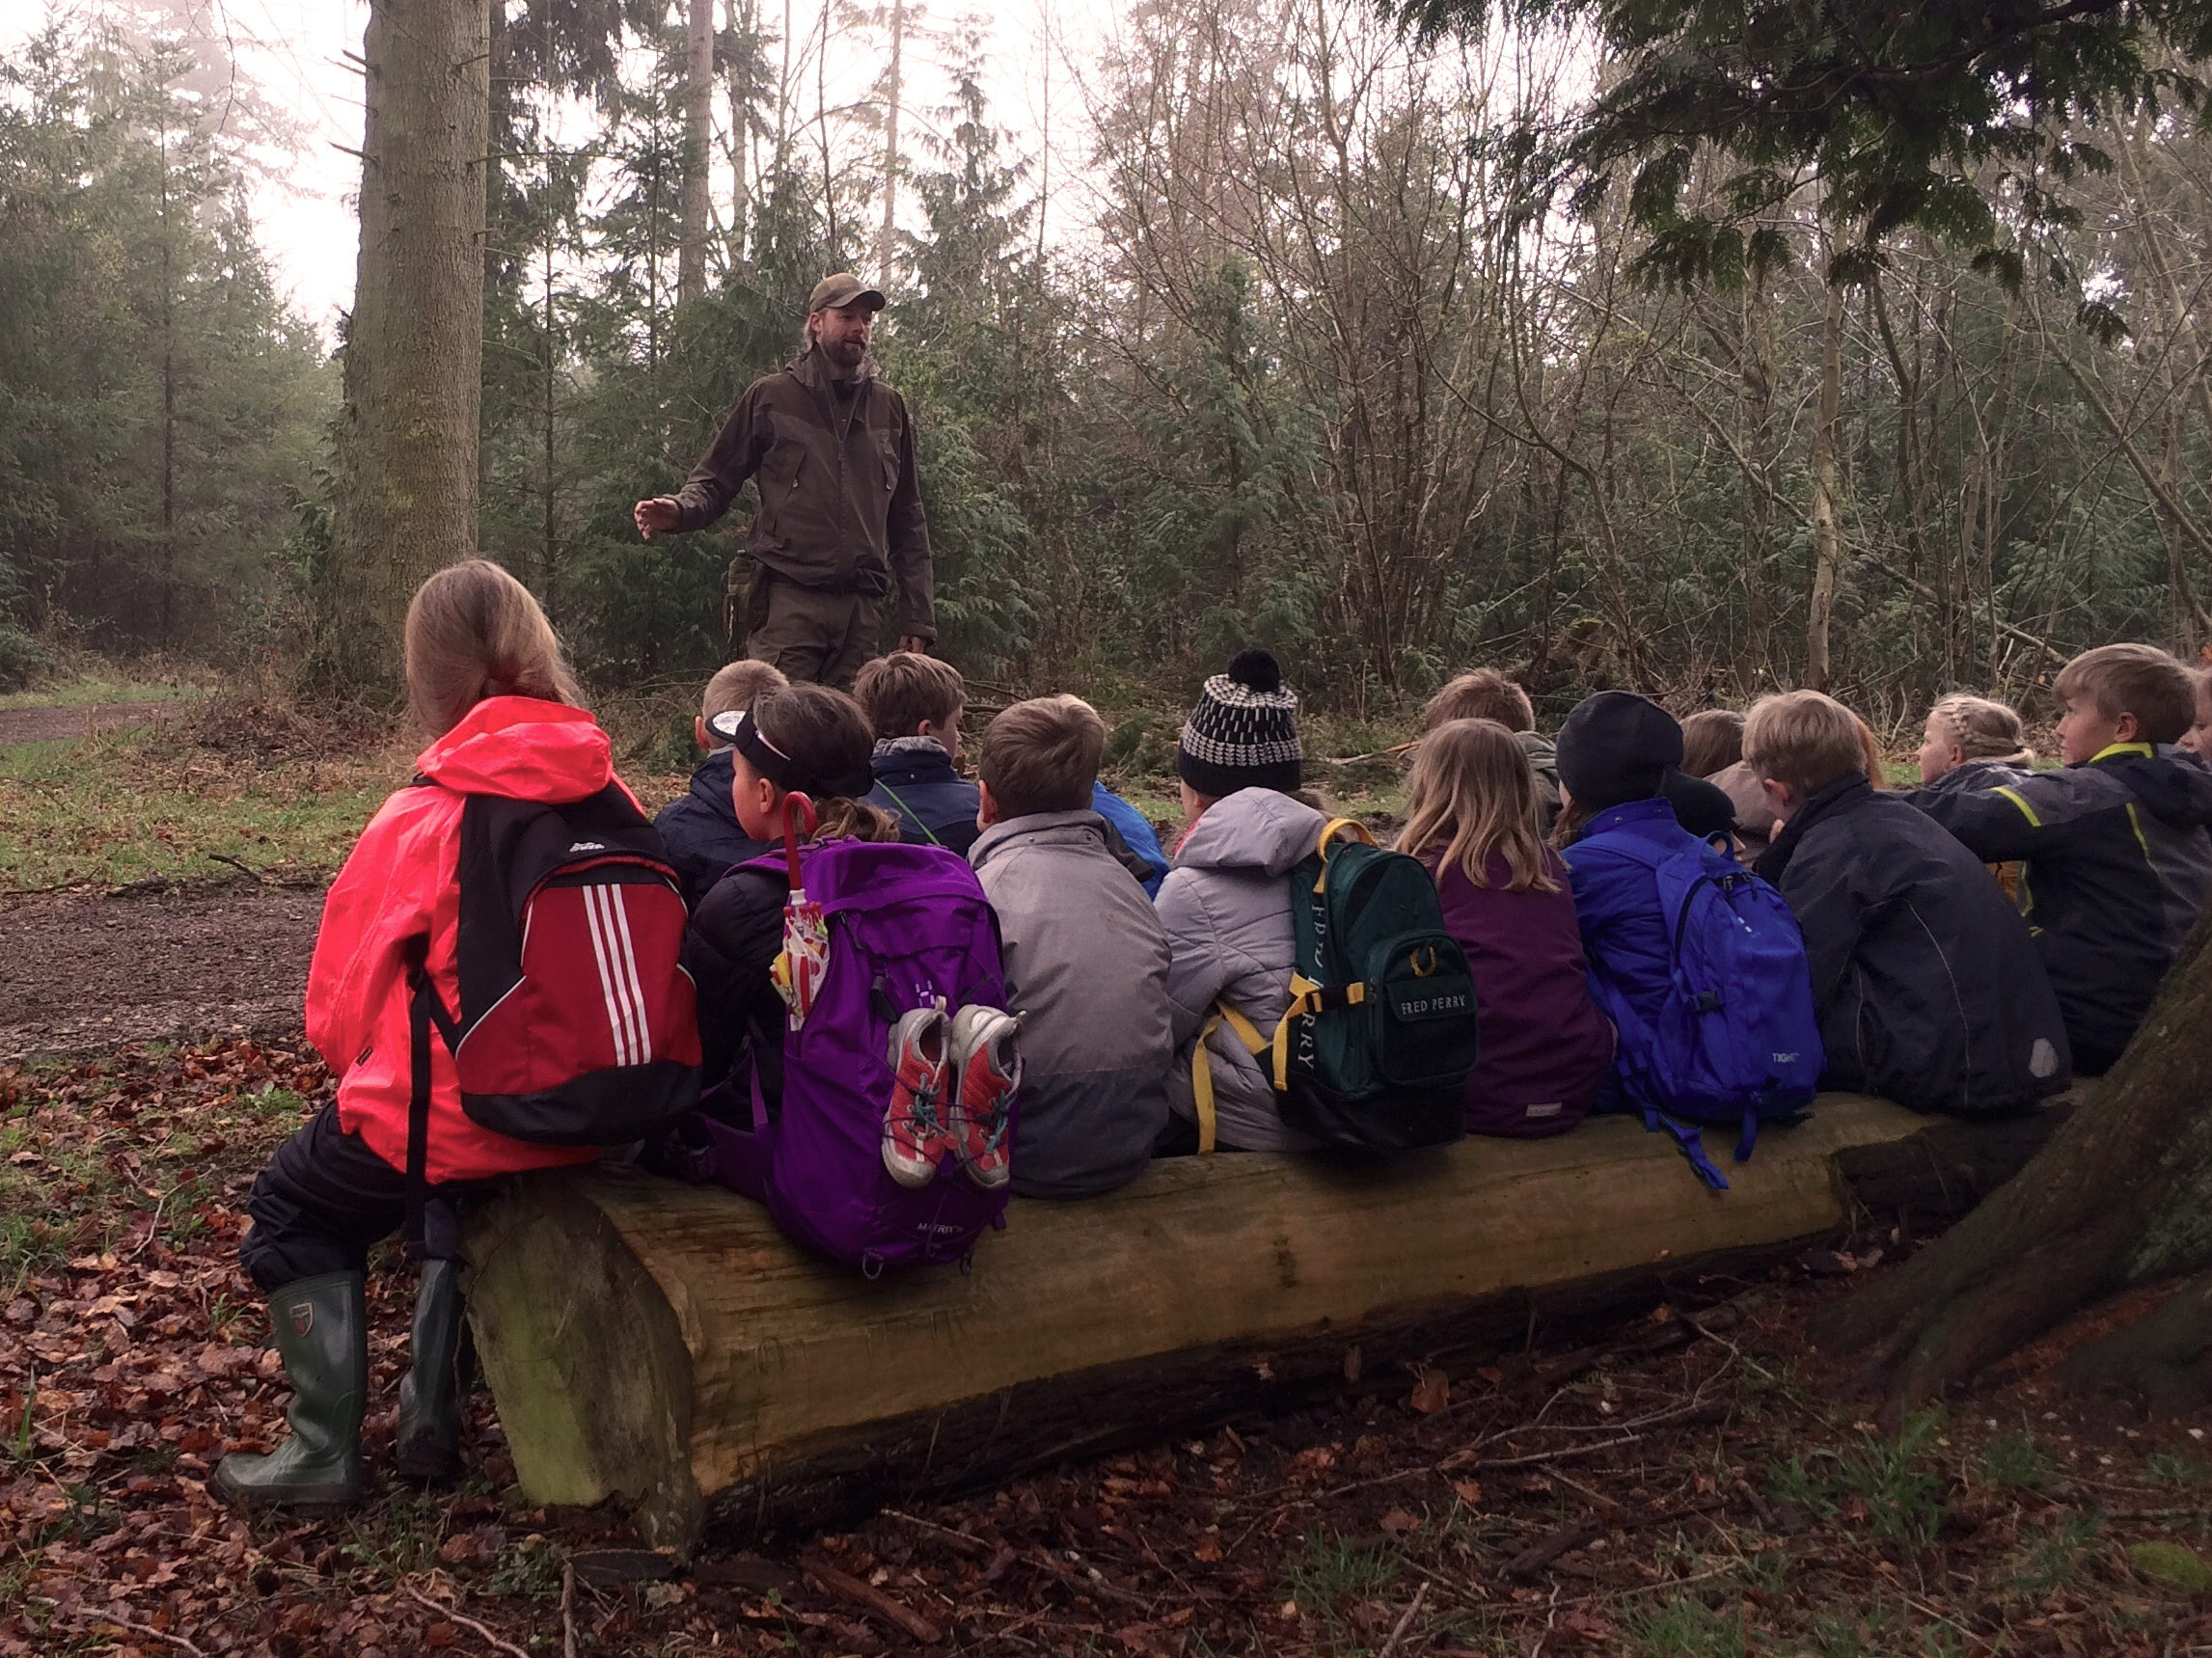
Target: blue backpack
[1736, 1039]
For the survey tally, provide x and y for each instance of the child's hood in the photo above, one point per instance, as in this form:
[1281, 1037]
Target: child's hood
[523, 748]
[1252, 828]
[2171, 786]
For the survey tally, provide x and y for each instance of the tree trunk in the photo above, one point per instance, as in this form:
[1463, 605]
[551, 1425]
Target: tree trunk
[407, 437]
[2120, 1197]
[1826, 553]
[664, 1344]
[693, 210]
[893, 92]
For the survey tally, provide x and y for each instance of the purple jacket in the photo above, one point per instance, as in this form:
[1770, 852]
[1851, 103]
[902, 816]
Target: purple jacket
[1545, 1047]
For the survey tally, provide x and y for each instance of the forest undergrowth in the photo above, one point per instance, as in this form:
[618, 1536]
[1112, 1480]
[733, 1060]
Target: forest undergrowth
[1689, 1483]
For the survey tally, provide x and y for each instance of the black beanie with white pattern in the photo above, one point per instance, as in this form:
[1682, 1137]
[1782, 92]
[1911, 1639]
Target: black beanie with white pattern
[1244, 731]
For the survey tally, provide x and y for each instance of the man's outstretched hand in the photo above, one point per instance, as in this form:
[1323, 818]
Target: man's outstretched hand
[656, 516]
[914, 642]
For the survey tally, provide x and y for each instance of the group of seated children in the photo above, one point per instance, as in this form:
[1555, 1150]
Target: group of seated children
[1929, 984]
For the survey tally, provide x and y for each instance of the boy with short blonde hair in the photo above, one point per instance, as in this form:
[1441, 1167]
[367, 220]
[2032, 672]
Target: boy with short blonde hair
[1927, 982]
[2115, 846]
[1086, 958]
[914, 703]
[1484, 693]
[699, 828]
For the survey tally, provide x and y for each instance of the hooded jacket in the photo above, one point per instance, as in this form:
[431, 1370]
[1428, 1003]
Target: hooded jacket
[401, 882]
[1226, 905]
[1139, 851]
[1970, 776]
[1086, 969]
[2116, 862]
[917, 784]
[1928, 988]
[840, 505]
[700, 829]
[1543, 762]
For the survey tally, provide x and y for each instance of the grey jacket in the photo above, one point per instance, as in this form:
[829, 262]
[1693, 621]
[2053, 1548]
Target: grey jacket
[1086, 967]
[1226, 905]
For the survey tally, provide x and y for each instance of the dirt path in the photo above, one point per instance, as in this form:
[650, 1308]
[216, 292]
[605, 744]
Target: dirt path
[57, 723]
[82, 973]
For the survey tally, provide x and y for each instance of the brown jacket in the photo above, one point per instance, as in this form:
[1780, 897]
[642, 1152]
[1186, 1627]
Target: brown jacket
[840, 507]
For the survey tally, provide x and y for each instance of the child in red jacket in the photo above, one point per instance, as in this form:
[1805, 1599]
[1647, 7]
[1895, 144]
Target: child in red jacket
[485, 675]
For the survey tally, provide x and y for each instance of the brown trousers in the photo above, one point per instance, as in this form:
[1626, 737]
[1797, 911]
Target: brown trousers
[810, 633]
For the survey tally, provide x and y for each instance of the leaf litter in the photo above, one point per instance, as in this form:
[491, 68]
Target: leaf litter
[1692, 1483]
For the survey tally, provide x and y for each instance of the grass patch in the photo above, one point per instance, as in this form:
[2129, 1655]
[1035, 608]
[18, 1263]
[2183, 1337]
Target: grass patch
[1884, 1484]
[85, 690]
[126, 805]
[2052, 1559]
[1686, 1627]
[2016, 1461]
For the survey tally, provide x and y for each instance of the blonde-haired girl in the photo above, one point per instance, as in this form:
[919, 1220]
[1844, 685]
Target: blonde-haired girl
[1970, 743]
[1471, 807]
[489, 686]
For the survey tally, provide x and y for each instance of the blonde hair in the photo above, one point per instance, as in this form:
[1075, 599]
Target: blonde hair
[473, 631]
[1983, 730]
[1805, 738]
[907, 689]
[1043, 755]
[1472, 793]
[2137, 679]
[1482, 694]
[824, 733]
[739, 685]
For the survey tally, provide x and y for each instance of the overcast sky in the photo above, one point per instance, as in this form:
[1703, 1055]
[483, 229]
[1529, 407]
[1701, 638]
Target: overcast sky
[297, 50]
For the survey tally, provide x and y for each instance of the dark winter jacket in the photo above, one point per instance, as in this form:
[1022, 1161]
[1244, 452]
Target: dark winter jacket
[700, 829]
[917, 784]
[1972, 776]
[1544, 1045]
[2116, 862]
[733, 940]
[1543, 761]
[840, 507]
[1928, 988]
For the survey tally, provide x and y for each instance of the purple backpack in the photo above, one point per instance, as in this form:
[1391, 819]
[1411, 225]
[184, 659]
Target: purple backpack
[907, 924]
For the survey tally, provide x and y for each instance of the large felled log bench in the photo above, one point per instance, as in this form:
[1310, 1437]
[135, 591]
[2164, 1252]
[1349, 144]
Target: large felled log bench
[665, 1346]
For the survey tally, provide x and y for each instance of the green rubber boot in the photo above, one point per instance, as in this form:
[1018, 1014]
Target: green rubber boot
[322, 1331]
[427, 1443]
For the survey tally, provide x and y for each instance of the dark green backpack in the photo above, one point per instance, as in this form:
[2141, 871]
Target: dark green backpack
[1375, 1050]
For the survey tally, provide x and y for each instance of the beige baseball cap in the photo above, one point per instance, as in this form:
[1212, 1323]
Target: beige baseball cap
[836, 292]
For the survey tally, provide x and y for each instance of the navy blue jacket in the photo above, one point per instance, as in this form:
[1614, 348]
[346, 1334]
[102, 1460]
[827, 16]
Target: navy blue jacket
[700, 829]
[2116, 865]
[1929, 991]
[917, 784]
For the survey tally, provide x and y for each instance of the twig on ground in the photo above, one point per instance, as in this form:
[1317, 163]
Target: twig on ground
[960, 1540]
[1087, 1583]
[1354, 759]
[1404, 1619]
[239, 865]
[567, 1609]
[468, 1623]
[147, 1629]
[866, 1594]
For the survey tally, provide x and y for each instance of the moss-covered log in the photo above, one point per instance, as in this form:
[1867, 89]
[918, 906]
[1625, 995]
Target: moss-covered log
[663, 1346]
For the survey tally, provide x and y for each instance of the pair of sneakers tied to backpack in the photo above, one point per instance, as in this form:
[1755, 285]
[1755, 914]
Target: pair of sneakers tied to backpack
[953, 1077]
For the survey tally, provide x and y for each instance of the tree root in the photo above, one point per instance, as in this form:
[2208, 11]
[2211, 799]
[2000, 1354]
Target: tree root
[2164, 1359]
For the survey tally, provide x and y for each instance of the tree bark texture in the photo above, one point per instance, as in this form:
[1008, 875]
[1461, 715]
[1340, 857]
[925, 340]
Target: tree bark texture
[407, 448]
[1827, 553]
[893, 91]
[2120, 1197]
[665, 1346]
[694, 212]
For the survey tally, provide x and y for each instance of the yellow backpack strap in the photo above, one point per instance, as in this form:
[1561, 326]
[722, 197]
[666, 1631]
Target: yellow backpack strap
[1246, 1031]
[1307, 999]
[1328, 833]
[1202, 1087]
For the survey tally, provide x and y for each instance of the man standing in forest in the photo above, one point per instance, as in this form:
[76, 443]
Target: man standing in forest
[832, 447]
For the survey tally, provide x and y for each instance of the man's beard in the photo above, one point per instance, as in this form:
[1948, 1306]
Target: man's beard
[845, 353]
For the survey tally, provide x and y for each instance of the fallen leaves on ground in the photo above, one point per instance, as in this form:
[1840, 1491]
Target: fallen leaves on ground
[1679, 1488]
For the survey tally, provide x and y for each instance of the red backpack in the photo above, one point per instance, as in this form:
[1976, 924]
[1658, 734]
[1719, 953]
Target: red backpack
[578, 1024]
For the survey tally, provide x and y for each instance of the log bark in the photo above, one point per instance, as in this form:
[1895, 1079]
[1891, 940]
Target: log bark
[664, 1347]
[414, 344]
[2120, 1197]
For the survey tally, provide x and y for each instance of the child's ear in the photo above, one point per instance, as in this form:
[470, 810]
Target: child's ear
[2127, 729]
[701, 734]
[986, 808]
